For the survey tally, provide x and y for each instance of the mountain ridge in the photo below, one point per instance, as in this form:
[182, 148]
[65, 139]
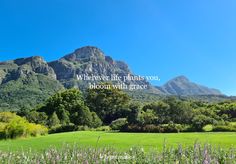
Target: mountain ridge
[91, 60]
[181, 85]
[37, 79]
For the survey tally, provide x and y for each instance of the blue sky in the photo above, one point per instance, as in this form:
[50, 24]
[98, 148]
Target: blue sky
[155, 37]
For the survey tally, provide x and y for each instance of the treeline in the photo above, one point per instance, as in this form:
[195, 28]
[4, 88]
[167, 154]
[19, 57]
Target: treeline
[71, 110]
[105, 109]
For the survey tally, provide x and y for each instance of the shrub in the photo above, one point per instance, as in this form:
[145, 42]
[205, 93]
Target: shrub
[152, 128]
[233, 119]
[7, 116]
[13, 126]
[2, 130]
[36, 129]
[145, 128]
[132, 128]
[103, 128]
[16, 128]
[63, 128]
[82, 128]
[223, 128]
[172, 128]
[118, 124]
[207, 128]
[232, 124]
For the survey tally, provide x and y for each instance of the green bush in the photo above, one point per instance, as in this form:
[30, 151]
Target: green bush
[132, 128]
[172, 128]
[118, 124]
[36, 129]
[63, 128]
[16, 128]
[224, 128]
[7, 116]
[152, 128]
[82, 128]
[13, 126]
[207, 128]
[232, 124]
[2, 130]
[103, 128]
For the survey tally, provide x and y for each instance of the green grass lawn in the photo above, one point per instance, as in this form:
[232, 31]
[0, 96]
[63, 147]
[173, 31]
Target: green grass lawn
[120, 141]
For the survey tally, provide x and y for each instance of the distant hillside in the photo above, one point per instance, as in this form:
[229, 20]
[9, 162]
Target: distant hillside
[181, 85]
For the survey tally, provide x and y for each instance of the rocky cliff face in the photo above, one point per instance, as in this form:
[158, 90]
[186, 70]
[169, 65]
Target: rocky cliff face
[35, 64]
[23, 67]
[183, 86]
[91, 61]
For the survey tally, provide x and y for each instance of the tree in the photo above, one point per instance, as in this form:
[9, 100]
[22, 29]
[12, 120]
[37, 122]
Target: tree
[96, 121]
[172, 109]
[81, 116]
[199, 121]
[65, 100]
[179, 111]
[132, 116]
[162, 110]
[109, 104]
[37, 117]
[147, 117]
[65, 116]
[53, 120]
[69, 107]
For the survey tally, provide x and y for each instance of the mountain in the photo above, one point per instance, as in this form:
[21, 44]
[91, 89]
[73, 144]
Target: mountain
[26, 82]
[181, 85]
[92, 61]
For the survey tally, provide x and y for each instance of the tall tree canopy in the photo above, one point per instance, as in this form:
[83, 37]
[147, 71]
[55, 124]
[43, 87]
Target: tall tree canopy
[69, 107]
[109, 104]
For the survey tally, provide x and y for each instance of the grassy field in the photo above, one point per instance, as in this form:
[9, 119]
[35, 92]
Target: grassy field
[120, 141]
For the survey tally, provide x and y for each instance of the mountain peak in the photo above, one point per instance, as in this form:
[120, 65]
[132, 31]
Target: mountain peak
[86, 53]
[181, 78]
[181, 85]
[89, 49]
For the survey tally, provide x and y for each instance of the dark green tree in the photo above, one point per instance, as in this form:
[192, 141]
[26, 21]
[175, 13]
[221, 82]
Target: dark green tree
[96, 121]
[132, 116]
[81, 116]
[53, 120]
[69, 107]
[37, 117]
[199, 121]
[109, 104]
